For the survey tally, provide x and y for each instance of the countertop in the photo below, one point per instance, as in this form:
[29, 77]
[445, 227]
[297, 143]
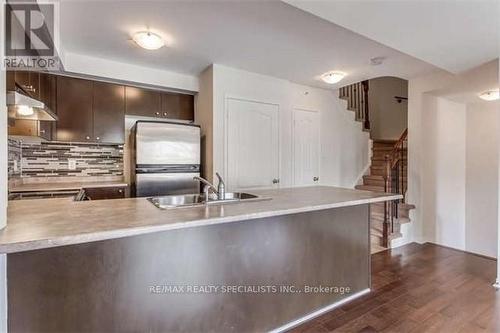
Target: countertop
[40, 187]
[45, 223]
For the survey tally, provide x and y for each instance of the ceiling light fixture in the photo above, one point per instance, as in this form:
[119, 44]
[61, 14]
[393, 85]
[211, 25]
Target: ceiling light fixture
[332, 77]
[491, 95]
[377, 61]
[148, 40]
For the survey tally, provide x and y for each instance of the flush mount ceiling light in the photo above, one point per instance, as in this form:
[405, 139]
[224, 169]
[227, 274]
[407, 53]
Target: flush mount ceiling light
[491, 95]
[377, 61]
[148, 40]
[332, 77]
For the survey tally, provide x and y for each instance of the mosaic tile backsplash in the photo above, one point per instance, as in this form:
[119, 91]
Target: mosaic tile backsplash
[55, 159]
[14, 159]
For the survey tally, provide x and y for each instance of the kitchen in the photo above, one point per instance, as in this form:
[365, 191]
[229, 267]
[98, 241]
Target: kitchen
[107, 203]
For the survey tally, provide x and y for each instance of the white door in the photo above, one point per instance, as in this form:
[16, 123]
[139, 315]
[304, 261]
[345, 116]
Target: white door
[252, 145]
[306, 147]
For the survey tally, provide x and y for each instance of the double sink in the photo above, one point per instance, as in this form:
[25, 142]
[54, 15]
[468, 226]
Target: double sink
[193, 200]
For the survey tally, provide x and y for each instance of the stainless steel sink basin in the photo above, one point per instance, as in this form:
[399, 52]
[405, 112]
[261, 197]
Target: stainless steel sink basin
[193, 200]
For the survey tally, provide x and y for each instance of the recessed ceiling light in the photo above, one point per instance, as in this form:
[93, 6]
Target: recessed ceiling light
[148, 40]
[332, 77]
[491, 95]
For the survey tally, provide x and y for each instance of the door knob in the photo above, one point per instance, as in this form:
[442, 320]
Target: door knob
[315, 179]
[276, 180]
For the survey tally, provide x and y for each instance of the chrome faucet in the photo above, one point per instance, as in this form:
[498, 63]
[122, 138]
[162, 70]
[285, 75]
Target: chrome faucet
[220, 190]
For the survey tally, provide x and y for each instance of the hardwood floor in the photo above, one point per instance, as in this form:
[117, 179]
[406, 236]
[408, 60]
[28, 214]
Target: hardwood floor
[421, 288]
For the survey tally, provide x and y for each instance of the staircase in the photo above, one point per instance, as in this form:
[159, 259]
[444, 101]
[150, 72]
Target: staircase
[387, 173]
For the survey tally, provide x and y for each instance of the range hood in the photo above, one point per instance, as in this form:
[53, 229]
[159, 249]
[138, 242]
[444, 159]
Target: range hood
[21, 106]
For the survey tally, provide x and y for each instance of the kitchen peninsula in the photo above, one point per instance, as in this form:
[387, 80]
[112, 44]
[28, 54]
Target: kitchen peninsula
[126, 265]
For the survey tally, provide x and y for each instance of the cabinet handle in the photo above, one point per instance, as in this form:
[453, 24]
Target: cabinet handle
[315, 179]
[157, 113]
[98, 138]
[276, 181]
[164, 114]
[120, 191]
[87, 137]
[42, 131]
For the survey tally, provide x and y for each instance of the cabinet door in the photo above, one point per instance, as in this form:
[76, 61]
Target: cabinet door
[142, 102]
[177, 106]
[24, 127]
[74, 109]
[47, 89]
[11, 80]
[109, 112]
[101, 193]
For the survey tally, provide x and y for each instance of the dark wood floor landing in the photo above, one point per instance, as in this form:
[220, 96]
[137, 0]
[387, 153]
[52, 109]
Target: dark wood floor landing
[421, 288]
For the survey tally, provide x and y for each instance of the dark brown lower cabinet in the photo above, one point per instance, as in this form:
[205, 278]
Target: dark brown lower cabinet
[101, 193]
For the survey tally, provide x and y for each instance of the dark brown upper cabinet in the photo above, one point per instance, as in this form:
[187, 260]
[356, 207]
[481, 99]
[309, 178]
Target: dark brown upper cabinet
[90, 111]
[47, 94]
[177, 106]
[74, 110]
[11, 80]
[41, 86]
[142, 102]
[109, 112]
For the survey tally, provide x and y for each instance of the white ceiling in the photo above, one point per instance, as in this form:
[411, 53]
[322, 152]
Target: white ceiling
[268, 37]
[451, 34]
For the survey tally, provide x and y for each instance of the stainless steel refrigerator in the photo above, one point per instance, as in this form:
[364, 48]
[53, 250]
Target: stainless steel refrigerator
[165, 158]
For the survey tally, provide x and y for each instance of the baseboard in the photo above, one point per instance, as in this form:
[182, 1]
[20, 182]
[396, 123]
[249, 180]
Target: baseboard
[464, 251]
[401, 242]
[319, 312]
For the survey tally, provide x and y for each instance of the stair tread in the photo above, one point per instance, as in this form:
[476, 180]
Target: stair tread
[385, 141]
[373, 188]
[374, 177]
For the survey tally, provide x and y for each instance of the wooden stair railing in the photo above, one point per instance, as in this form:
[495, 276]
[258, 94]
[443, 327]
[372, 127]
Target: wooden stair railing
[395, 181]
[356, 95]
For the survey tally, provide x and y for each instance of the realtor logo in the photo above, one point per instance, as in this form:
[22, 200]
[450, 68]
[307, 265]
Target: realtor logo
[31, 36]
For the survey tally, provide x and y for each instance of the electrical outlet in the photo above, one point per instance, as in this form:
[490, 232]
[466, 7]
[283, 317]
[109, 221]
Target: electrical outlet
[72, 164]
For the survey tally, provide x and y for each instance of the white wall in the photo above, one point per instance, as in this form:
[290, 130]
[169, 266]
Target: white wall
[481, 208]
[388, 118]
[204, 116]
[453, 166]
[344, 146]
[443, 181]
[100, 67]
